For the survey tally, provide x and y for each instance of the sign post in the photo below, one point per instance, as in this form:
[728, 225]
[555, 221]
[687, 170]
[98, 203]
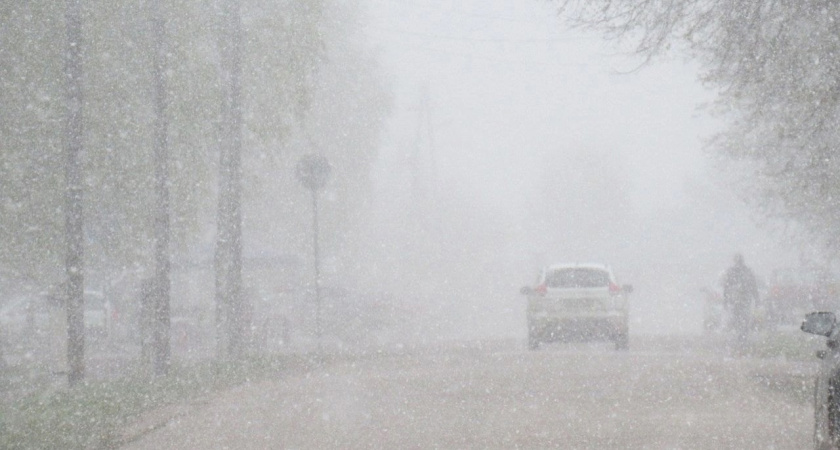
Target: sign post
[313, 172]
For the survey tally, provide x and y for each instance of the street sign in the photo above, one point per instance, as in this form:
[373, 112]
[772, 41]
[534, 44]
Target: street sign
[313, 171]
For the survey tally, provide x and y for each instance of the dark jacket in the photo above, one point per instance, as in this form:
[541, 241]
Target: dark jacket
[739, 287]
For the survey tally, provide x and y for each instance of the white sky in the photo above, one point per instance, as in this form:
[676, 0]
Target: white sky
[509, 84]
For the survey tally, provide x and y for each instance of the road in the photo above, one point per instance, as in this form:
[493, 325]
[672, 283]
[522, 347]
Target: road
[501, 396]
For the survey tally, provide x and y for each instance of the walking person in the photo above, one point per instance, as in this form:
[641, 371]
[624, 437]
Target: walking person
[740, 293]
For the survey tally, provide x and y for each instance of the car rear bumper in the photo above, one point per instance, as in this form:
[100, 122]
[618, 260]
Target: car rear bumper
[579, 327]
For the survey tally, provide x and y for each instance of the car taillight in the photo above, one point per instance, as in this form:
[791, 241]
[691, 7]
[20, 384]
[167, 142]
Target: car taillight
[541, 289]
[614, 289]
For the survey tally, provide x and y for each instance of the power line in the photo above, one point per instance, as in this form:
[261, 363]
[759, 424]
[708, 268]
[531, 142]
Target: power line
[464, 13]
[471, 39]
[478, 56]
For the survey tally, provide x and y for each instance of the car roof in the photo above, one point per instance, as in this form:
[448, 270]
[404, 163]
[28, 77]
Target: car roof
[578, 265]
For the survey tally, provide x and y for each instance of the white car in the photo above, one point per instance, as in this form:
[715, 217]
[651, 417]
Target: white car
[579, 302]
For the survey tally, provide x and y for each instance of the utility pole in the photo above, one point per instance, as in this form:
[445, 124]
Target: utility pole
[423, 164]
[317, 262]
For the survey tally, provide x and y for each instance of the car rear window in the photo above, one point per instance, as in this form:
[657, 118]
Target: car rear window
[577, 278]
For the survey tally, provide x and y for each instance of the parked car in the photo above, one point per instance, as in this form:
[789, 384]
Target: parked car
[578, 302]
[827, 388]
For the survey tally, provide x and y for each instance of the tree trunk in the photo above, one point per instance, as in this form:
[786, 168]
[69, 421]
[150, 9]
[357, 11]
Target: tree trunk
[74, 219]
[230, 317]
[161, 328]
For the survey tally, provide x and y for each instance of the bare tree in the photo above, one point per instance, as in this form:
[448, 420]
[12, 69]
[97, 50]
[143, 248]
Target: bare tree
[775, 68]
[161, 328]
[228, 258]
[74, 218]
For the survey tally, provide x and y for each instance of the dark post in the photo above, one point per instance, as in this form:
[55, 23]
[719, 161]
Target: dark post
[315, 252]
[148, 293]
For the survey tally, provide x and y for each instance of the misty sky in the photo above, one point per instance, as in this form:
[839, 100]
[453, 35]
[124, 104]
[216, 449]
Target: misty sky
[510, 87]
[508, 83]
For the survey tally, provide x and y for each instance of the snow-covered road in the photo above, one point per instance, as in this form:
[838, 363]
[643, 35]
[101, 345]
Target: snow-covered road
[502, 396]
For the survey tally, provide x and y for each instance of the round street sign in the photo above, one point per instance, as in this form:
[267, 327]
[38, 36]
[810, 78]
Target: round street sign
[313, 171]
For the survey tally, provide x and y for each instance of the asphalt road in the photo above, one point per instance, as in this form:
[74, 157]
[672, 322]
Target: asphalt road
[502, 396]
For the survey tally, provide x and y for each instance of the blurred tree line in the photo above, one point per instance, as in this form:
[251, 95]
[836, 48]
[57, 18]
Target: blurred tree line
[309, 84]
[775, 70]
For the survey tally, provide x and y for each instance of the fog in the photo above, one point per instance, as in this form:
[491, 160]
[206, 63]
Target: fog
[532, 143]
[470, 145]
[338, 224]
